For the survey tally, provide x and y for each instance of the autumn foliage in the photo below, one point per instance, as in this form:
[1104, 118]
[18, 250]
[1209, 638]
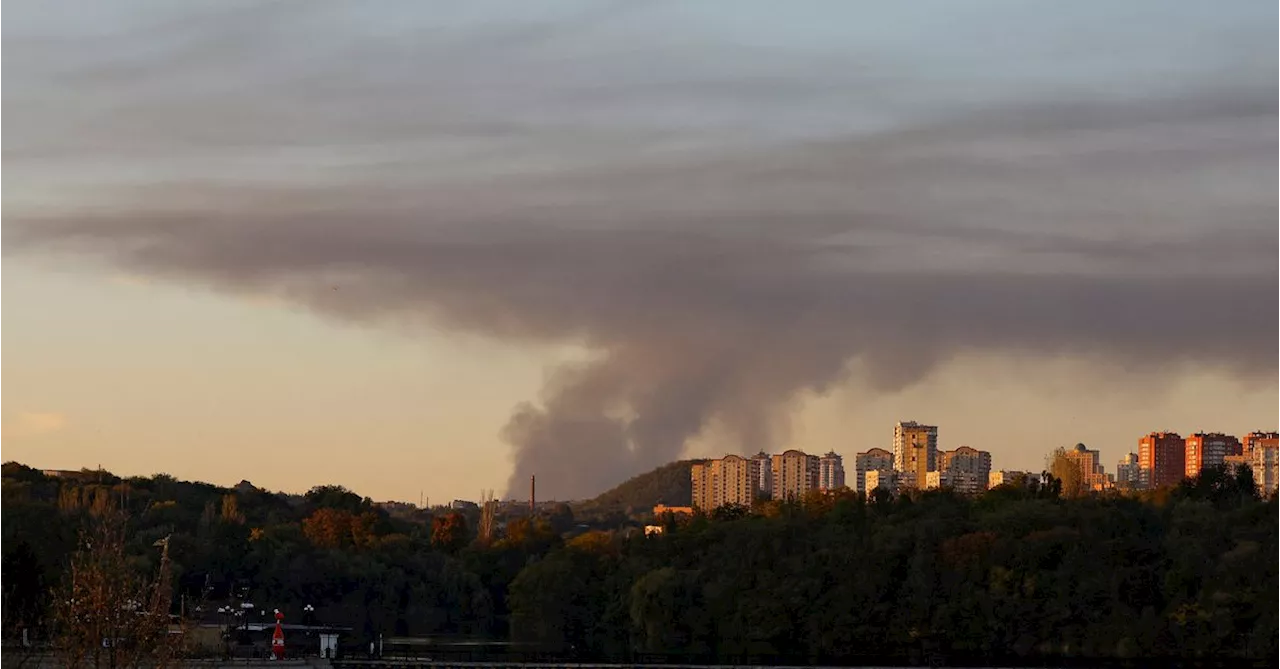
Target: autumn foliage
[337, 528]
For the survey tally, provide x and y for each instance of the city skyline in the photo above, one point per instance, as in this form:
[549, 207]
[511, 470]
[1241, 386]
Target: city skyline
[444, 250]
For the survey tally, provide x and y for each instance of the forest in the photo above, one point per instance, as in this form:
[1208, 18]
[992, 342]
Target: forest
[1014, 576]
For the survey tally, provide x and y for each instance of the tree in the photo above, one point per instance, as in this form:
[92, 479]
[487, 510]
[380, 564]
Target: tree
[105, 614]
[449, 532]
[1067, 470]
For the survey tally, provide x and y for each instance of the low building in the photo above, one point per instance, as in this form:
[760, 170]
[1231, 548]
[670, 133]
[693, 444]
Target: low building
[968, 483]
[663, 509]
[886, 480]
[1007, 477]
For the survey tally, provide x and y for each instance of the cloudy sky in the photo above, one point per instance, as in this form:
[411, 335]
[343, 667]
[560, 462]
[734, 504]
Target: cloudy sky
[437, 247]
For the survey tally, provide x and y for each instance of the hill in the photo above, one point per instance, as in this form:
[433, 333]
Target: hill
[669, 484]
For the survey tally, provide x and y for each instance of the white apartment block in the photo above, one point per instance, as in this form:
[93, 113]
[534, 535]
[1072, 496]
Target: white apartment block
[830, 472]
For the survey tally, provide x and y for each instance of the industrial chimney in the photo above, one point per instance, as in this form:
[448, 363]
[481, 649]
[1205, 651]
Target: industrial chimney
[533, 489]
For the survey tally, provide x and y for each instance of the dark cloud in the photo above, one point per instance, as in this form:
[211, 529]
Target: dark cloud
[715, 277]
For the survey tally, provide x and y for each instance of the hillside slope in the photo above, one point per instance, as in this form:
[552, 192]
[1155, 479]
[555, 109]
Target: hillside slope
[668, 484]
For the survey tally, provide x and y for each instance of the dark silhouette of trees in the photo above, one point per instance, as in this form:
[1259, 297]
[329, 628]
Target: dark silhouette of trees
[1021, 574]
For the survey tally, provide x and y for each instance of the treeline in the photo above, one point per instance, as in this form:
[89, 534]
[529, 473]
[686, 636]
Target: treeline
[1016, 575]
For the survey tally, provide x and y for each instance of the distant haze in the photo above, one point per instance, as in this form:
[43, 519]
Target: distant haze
[728, 207]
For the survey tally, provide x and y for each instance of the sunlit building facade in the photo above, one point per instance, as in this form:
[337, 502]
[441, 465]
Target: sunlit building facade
[1208, 450]
[794, 474]
[915, 451]
[1161, 459]
[732, 479]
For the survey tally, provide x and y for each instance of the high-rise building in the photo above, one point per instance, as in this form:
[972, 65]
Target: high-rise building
[1208, 450]
[1127, 471]
[830, 472]
[965, 469]
[1092, 474]
[1256, 438]
[794, 474]
[1161, 459]
[766, 473]
[700, 476]
[876, 459]
[732, 479]
[1264, 457]
[915, 450]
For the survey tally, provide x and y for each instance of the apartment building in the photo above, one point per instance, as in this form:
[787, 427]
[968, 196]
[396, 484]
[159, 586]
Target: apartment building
[882, 479]
[1255, 439]
[1161, 459]
[830, 472]
[766, 473]
[732, 479]
[795, 474]
[1011, 477]
[1092, 474]
[1127, 471]
[1208, 450]
[915, 451]
[964, 470]
[876, 459]
[1264, 456]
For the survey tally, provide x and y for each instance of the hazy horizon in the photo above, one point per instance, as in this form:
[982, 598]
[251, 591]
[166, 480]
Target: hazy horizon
[440, 248]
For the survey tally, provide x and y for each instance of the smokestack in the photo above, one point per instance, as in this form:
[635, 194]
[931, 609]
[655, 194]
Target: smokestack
[533, 488]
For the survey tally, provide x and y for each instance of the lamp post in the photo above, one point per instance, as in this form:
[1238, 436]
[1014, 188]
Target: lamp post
[246, 608]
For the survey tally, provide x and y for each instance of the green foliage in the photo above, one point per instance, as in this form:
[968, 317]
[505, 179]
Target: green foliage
[669, 484]
[1021, 574]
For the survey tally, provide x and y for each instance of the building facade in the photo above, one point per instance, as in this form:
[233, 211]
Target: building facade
[732, 479]
[830, 472]
[1255, 439]
[965, 470]
[1208, 450]
[1127, 471]
[915, 450]
[881, 479]
[1264, 457]
[1092, 474]
[876, 459]
[766, 473]
[1005, 476]
[1161, 459]
[794, 475]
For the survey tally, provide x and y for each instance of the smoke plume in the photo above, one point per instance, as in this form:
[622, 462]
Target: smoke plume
[716, 272]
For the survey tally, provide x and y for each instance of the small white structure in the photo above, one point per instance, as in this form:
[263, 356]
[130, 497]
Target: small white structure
[328, 645]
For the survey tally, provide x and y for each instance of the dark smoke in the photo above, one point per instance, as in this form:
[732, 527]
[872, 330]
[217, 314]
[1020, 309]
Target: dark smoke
[716, 286]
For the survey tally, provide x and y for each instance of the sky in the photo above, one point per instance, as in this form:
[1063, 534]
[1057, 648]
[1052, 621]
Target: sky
[428, 250]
